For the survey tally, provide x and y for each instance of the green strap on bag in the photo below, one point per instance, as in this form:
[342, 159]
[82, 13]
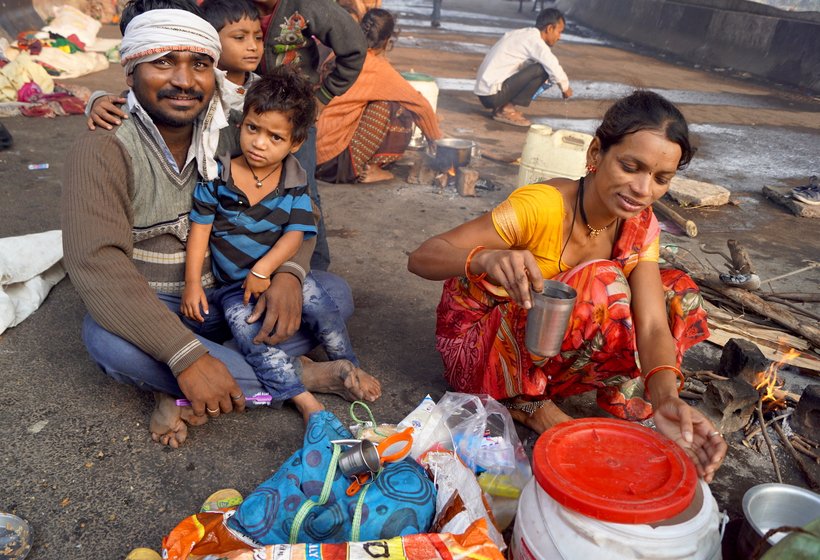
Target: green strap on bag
[305, 508]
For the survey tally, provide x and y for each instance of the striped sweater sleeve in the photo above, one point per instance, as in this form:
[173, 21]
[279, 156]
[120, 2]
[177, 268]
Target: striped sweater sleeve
[97, 242]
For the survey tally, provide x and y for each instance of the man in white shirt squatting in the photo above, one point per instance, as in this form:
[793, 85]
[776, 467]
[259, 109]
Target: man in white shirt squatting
[518, 65]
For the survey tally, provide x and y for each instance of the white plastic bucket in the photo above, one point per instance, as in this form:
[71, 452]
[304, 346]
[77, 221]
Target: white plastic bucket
[426, 85]
[545, 530]
[548, 154]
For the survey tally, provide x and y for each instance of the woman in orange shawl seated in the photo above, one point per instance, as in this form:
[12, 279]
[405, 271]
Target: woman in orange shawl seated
[597, 234]
[370, 125]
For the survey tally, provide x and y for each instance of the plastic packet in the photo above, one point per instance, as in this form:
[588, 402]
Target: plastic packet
[459, 499]
[376, 434]
[482, 433]
[473, 544]
[419, 416]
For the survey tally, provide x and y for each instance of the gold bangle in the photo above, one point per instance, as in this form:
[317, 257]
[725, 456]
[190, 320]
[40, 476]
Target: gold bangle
[655, 370]
[260, 276]
[470, 276]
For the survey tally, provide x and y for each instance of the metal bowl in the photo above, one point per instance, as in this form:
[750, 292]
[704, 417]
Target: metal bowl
[768, 506]
[15, 537]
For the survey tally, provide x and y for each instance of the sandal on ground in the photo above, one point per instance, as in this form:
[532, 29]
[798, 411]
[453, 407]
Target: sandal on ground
[222, 499]
[511, 117]
[808, 194]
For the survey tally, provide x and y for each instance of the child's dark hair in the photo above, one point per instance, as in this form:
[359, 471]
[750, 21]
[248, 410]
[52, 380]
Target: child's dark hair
[645, 110]
[137, 7]
[285, 90]
[220, 13]
[378, 26]
[547, 17]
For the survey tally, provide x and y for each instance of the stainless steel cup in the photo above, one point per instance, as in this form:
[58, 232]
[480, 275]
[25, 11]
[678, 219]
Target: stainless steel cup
[548, 318]
[360, 458]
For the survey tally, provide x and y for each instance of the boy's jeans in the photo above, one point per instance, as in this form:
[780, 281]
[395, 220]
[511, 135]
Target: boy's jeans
[279, 373]
[128, 364]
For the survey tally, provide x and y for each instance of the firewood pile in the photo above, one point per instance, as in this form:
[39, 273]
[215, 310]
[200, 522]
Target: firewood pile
[763, 333]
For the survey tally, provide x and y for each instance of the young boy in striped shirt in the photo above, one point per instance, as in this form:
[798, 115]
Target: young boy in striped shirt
[254, 217]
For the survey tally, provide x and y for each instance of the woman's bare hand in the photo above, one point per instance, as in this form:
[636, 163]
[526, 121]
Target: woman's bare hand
[515, 271]
[690, 429]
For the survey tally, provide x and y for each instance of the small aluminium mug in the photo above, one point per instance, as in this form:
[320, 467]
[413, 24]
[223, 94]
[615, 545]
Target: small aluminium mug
[548, 318]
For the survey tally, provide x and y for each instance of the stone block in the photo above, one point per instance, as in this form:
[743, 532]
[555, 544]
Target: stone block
[806, 418]
[730, 404]
[465, 181]
[783, 197]
[742, 358]
[688, 192]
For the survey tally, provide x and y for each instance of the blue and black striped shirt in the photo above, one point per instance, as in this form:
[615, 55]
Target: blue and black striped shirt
[241, 233]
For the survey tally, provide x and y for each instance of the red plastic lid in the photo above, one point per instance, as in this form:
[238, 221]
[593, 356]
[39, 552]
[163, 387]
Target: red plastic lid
[614, 470]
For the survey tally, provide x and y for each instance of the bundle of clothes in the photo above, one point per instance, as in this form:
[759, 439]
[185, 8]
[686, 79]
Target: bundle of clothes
[66, 48]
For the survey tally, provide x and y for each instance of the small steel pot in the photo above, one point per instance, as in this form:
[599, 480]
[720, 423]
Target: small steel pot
[452, 152]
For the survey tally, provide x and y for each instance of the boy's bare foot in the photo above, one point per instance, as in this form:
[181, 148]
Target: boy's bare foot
[340, 377]
[542, 419]
[374, 174]
[169, 422]
[306, 403]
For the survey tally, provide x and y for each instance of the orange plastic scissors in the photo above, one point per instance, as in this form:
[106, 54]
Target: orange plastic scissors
[405, 438]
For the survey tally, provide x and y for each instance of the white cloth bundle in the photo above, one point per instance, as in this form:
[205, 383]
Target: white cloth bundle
[30, 265]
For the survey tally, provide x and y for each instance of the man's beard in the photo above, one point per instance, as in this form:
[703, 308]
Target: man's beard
[169, 118]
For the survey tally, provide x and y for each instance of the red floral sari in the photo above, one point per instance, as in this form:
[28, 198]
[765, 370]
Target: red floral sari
[480, 334]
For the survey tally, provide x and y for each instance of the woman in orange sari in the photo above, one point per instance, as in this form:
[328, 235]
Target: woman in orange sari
[370, 125]
[597, 234]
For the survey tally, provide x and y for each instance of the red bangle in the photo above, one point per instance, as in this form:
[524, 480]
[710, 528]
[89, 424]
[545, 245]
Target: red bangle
[470, 276]
[655, 370]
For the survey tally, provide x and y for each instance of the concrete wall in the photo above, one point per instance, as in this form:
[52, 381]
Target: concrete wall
[768, 43]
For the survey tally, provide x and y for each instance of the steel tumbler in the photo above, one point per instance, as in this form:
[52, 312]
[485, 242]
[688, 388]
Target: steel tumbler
[360, 458]
[548, 318]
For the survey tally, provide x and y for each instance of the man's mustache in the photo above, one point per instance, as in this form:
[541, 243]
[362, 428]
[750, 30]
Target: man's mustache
[177, 92]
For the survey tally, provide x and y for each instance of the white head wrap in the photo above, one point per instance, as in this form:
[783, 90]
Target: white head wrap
[155, 33]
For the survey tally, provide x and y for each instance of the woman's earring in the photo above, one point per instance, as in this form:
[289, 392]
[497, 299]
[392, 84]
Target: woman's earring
[591, 168]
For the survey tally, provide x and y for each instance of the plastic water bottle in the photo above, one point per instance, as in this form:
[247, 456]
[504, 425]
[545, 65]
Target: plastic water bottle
[544, 87]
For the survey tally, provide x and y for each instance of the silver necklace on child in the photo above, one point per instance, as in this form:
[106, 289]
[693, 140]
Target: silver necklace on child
[255, 178]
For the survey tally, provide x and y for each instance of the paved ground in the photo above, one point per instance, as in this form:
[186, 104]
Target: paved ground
[93, 485]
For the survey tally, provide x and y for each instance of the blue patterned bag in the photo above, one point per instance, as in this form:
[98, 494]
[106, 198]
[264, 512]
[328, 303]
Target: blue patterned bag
[401, 501]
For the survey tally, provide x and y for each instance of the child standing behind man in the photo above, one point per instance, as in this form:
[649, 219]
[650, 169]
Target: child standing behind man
[518, 65]
[240, 34]
[293, 30]
[254, 217]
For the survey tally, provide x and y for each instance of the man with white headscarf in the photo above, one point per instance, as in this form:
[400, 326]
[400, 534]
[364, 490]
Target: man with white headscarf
[125, 222]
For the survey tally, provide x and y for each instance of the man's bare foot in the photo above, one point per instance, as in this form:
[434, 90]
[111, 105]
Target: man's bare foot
[374, 174]
[307, 404]
[169, 422]
[340, 377]
[542, 419]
